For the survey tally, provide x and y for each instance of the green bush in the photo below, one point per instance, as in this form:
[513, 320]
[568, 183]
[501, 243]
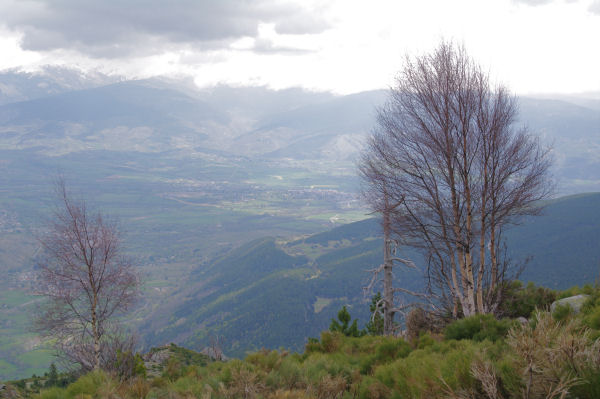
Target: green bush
[52, 393]
[313, 345]
[473, 358]
[371, 388]
[425, 373]
[92, 385]
[562, 311]
[186, 386]
[330, 341]
[266, 360]
[587, 289]
[520, 301]
[173, 369]
[289, 375]
[424, 341]
[478, 328]
[592, 319]
[391, 349]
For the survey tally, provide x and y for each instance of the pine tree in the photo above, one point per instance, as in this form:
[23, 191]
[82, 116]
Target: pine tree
[344, 326]
[375, 324]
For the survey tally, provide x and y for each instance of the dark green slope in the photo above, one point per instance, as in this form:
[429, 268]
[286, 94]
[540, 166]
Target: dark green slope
[260, 296]
[564, 242]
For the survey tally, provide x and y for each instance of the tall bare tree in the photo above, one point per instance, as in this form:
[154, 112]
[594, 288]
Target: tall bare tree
[447, 152]
[86, 279]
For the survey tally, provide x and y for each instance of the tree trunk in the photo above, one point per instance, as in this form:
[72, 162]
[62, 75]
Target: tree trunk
[95, 334]
[388, 289]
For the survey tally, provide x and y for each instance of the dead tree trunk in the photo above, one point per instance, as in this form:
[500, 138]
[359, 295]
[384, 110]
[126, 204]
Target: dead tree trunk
[388, 288]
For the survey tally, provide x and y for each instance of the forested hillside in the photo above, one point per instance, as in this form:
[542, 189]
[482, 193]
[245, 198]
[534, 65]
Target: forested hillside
[296, 287]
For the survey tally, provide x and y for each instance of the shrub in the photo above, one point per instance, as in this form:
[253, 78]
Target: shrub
[330, 341]
[562, 311]
[424, 341]
[519, 301]
[289, 394]
[387, 350]
[417, 322]
[427, 373]
[137, 387]
[52, 393]
[91, 384]
[592, 319]
[173, 369]
[313, 345]
[391, 349]
[128, 364]
[587, 289]
[266, 360]
[478, 328]
[575, 358]
[331, 387]
[187, 387]
[241, 381]
[289, 375]
[376, 390]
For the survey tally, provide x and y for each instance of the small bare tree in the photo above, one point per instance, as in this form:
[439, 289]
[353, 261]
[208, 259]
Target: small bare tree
[447, 153]
[86, 279]
[387, 306]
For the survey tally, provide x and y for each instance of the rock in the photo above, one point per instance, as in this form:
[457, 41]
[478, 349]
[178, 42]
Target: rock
[575, 302]
[214, 353]
[523, 321]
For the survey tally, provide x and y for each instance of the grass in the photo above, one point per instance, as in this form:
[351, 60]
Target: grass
[14, 297]
[376, 367]
[321, 303]
[478, 357]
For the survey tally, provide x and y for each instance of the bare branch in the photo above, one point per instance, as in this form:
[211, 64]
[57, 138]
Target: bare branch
[447, 155]
[85, 279]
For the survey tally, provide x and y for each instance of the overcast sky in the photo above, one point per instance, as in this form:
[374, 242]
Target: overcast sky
[533, 46]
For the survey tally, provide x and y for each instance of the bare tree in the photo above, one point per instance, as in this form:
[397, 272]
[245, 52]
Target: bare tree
[446, 151]
[388, 306]
[86, 279]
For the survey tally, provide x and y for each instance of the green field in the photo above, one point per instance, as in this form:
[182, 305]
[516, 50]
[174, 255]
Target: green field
[177, 214]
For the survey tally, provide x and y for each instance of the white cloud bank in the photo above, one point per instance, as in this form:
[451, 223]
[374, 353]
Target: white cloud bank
[535, 46]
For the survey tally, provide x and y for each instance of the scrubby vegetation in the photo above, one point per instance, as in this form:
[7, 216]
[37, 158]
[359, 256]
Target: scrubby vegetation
[477, 357]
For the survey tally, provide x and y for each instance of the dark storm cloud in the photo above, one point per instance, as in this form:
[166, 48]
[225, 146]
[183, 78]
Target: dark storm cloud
[112, 28]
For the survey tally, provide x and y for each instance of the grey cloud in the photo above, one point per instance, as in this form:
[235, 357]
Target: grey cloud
[300, 23]
[113, 28]
[266, 46]
[595, 7]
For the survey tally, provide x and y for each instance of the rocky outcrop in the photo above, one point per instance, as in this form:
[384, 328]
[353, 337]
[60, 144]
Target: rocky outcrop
[575, 302]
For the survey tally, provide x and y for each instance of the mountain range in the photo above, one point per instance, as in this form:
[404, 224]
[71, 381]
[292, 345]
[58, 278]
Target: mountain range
[161, 116]
[220, 192]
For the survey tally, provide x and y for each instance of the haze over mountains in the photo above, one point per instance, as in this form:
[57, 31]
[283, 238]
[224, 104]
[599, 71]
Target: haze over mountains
[63, 112]
[230, 181]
